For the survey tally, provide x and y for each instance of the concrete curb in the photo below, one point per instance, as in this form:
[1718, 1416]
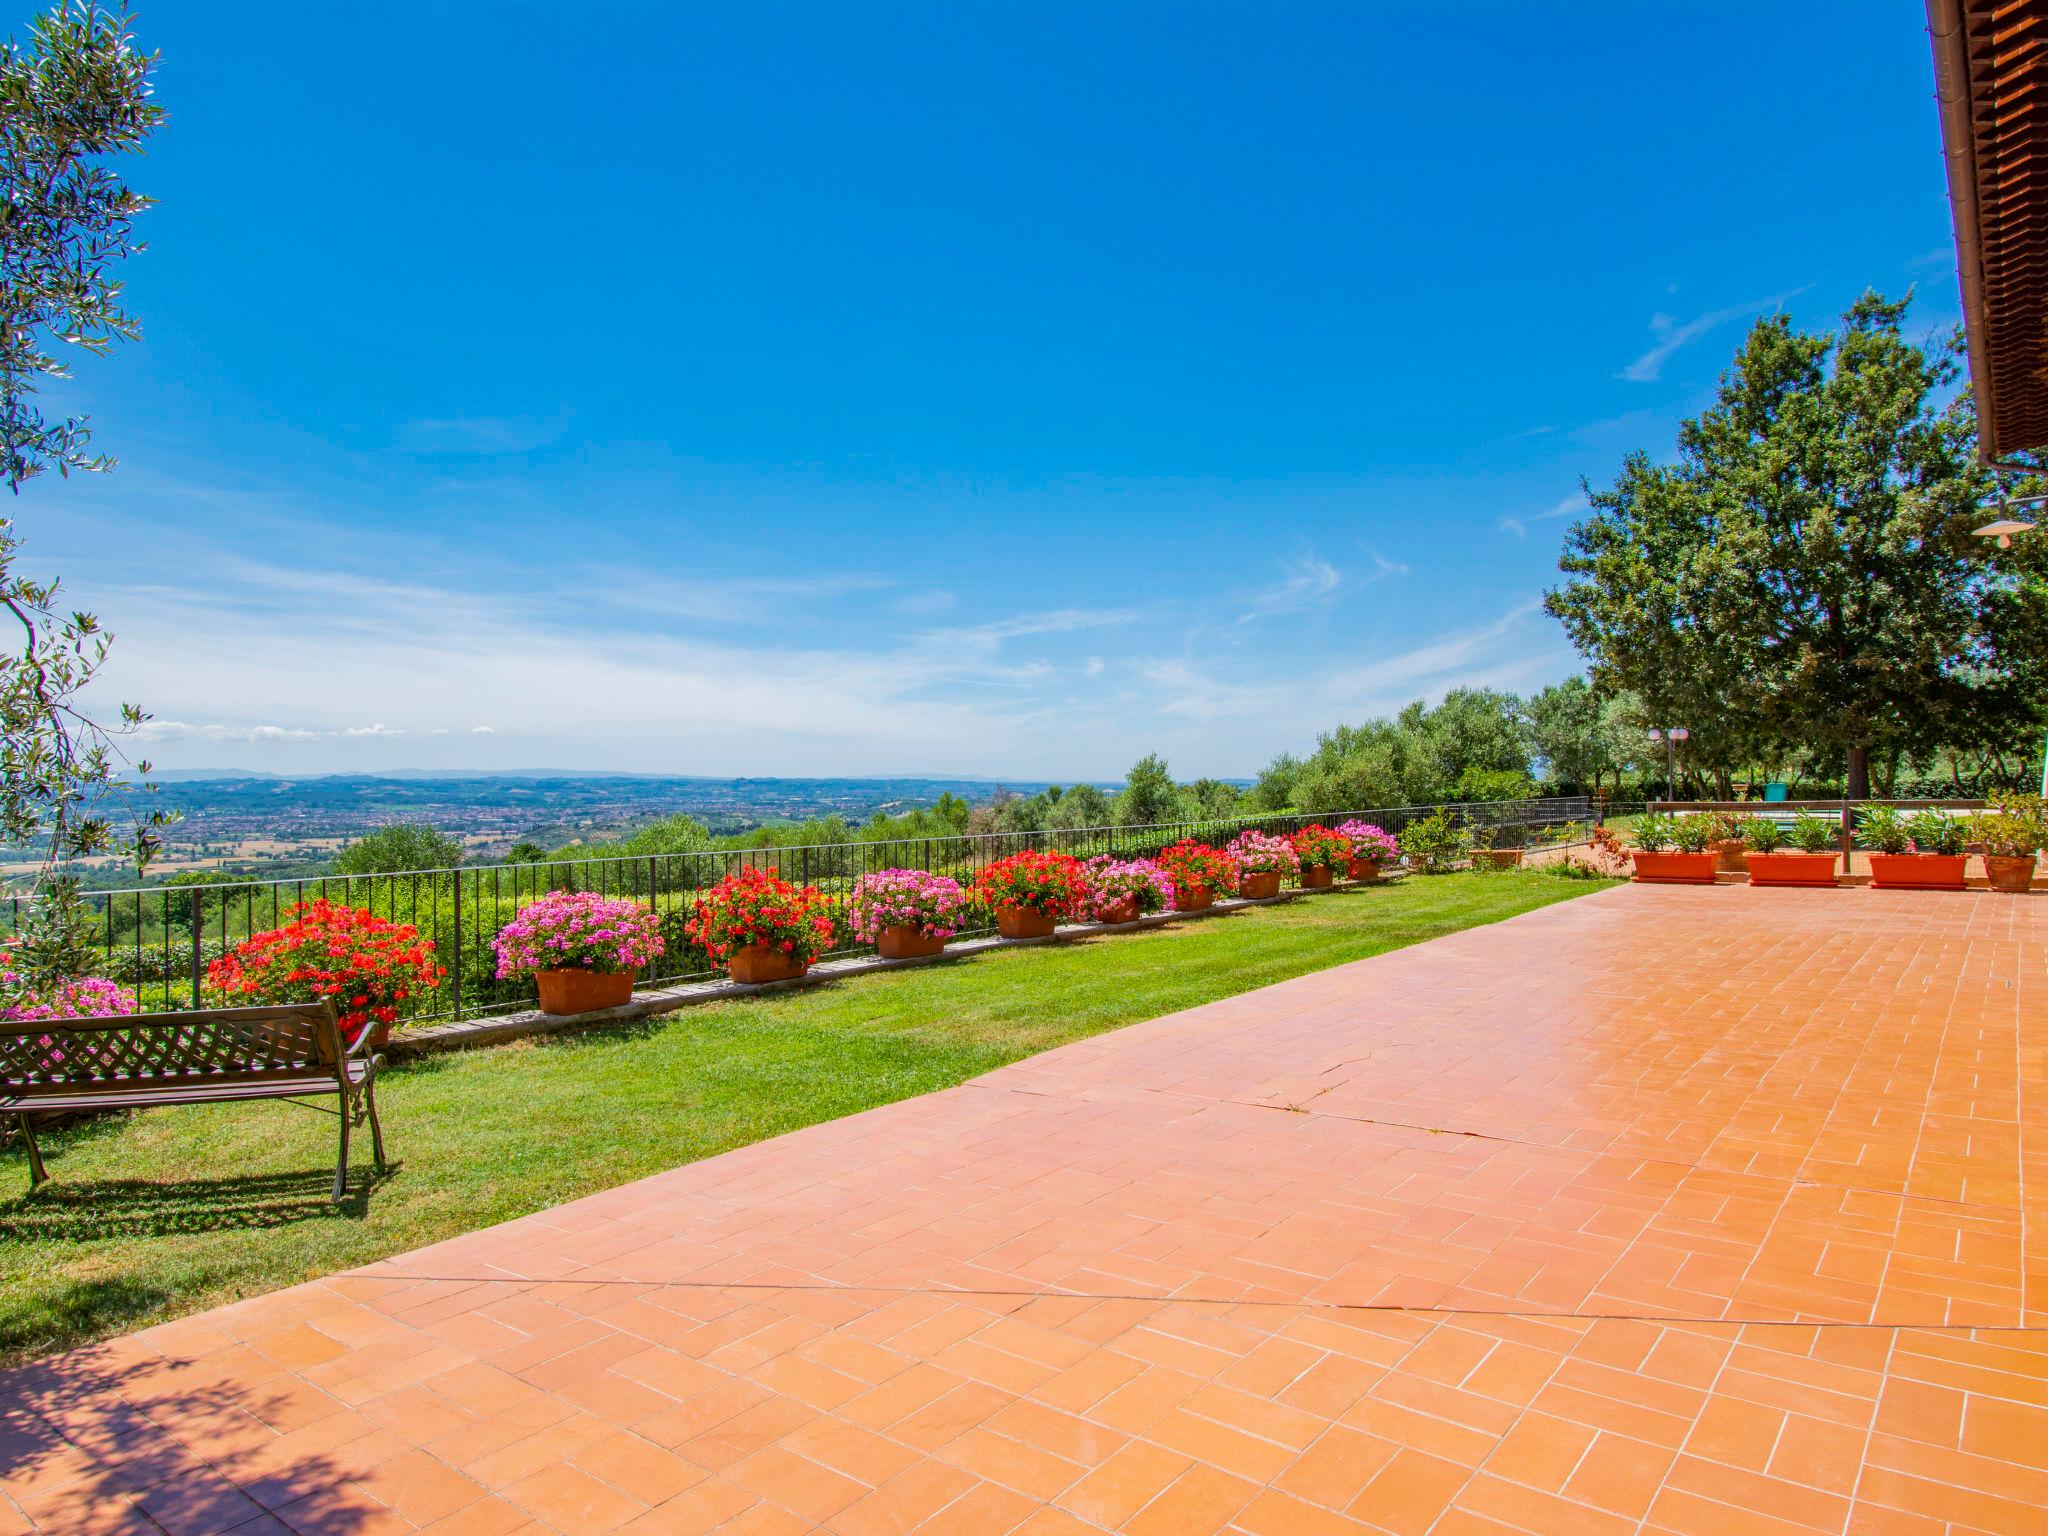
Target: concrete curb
[496, 1029]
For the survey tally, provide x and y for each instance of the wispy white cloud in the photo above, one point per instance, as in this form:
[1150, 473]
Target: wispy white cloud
[1382, 567]
[1519, 525]
[1672, 333]
[479, 434]
[1308, 580]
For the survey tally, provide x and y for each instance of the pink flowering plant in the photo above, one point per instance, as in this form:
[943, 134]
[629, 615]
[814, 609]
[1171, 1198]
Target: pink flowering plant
[578, 931]
[1370, 843]
[1258, 853]
[1114, 882]
[76, 997]
[906, 898]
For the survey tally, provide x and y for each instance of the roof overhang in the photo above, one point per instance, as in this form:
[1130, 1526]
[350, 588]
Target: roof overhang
[1991, 80]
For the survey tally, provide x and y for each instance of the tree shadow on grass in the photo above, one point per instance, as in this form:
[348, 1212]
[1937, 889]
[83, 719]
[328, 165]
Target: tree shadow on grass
[101, 1209]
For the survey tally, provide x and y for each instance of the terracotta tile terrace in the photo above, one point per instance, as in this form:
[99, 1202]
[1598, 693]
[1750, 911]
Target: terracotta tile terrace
[1703, 1211]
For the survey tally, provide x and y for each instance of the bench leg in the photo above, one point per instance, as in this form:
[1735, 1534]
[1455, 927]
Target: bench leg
[376, 1130]
[341, 1163]
[37, 1173]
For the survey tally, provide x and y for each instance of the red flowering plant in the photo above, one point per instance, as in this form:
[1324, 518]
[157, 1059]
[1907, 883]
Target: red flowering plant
[367, 964]
[1317, 847]
[758, 906]
[1195, 868]
[1052, 884]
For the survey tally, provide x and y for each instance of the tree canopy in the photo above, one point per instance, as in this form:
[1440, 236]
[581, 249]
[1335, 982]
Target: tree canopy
[402, 845]
[1805, 574]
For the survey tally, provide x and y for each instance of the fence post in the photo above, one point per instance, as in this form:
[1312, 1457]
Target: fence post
[458, 944]
[652, 869]
[1848, 834]
[198, 969]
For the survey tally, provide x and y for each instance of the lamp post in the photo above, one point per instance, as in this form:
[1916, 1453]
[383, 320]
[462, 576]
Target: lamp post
[2002, 529]
[1671, 738]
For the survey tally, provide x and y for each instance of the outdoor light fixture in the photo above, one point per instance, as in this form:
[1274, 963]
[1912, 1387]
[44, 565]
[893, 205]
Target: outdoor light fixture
[2003, 530]
[1671, 737]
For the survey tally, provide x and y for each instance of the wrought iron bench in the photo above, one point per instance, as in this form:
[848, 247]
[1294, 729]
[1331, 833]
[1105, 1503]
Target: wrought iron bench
[137, 1061]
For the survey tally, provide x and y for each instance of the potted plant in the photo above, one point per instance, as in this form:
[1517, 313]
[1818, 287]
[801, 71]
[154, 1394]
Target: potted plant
[1916, 853]
[367, 964]
[1672, 850]
[1123, 890]
[1809, 862]
[581, 949]
[2011, 831]
[1436, 844]
[1319, 853]
[1030, 892]
[906, 913]
[1726, 838]
[1372, 849]
[1261, 862]
[763, 927]
[1487, 854]
[1199, 874]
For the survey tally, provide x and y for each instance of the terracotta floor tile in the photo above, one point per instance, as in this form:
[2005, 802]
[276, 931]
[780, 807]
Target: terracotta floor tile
[1699, 1212]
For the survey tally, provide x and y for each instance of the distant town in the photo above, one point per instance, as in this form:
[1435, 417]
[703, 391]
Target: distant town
[267, 825]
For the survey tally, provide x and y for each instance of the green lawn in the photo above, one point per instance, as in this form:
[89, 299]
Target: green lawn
[167, 1212]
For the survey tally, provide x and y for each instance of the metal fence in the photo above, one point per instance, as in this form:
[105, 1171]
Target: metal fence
[160, 939]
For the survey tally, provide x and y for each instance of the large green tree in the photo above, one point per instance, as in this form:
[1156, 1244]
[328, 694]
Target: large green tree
[1805, 573]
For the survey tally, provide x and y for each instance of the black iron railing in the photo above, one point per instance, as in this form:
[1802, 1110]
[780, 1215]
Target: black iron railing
[159, 939]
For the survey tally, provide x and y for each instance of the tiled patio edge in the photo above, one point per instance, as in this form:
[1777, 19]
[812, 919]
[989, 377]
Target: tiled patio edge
[496, 1029]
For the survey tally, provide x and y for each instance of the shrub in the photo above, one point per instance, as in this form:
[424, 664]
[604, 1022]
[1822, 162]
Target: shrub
[1812, 833]
[1884, 828]
[1370, 842]
[1317, 847]
[1691, 834]
[1435, 843]
[758, 906]
[1195, 868]
[1937, 832]
[1112, 882]
[366, 964]
[1054, 885]
[578, 931]
[1258, 853]
[1760, 834]
[2014, 827]
[1653, 832]
[909, 898]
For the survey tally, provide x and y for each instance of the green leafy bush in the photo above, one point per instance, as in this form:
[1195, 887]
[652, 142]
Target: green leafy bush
[1654, 832]
[1691, 834]
[1938, 832]
[1884, 828]
[1434, 844]
[1812, 833]
[1760, 834]
[2014, 826]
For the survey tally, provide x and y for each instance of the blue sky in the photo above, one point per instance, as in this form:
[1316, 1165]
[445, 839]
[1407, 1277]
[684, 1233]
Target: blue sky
[997, 389]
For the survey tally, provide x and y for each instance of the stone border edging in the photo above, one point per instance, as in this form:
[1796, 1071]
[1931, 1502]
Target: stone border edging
[496, 1029]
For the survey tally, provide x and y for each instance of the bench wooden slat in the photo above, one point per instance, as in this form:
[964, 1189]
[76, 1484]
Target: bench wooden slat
[210, 1056]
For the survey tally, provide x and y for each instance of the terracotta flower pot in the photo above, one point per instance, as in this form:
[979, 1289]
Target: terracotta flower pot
[1499, 858]
[1917, 871]
[1363, 870]
[1187, 900]
[1262, 885]
[1675, 868]
[2010, 872]
[564, 992]
[1125, 911]
[1317, 877]
[753, 964]
[906, 941]
[1021, 923]
[1806, 869]
[1732, 853]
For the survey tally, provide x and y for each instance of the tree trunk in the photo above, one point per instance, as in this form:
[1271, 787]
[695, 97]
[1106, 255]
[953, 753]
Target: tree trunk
[1858, 787]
